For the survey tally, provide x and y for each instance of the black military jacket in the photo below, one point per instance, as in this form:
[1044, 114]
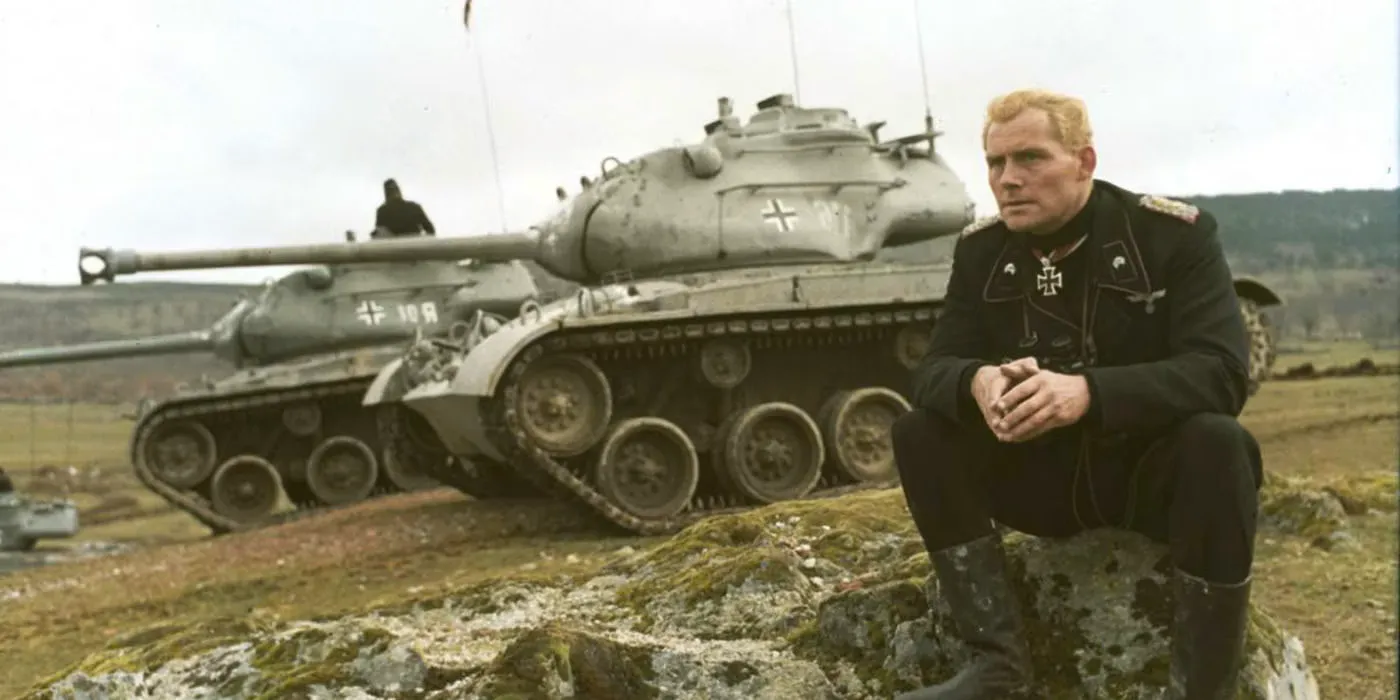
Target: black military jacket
[1158, 335]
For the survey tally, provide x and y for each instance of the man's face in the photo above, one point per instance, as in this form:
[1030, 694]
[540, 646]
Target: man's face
[1038, 183]
[392, 192]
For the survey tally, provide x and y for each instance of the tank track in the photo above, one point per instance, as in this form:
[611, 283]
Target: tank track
[411, 440]
[872, 328]
[226, 406]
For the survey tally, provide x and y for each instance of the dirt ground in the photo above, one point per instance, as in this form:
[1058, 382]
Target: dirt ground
[1342, 603]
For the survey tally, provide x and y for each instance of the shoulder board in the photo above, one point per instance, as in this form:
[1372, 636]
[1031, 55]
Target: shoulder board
[1171, 207]
[981, 224]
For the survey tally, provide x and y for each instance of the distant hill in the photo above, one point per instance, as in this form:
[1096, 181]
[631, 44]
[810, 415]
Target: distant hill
[1279, 231]
[1334, 255]
[40, 315]
[43, 315]
[1292, 230]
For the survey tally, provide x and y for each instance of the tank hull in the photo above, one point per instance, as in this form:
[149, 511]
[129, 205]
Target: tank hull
[271, 445]
[714, 369]
[25, 521]
[232, 453]
[710, 366]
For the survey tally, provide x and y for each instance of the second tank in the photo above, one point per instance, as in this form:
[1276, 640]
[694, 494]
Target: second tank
[289, 423]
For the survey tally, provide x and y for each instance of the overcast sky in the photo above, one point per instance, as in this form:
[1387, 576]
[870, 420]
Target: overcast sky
[179, 124]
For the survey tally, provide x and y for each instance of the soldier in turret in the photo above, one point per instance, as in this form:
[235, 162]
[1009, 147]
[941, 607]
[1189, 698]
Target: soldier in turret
[1087, 371]
[6, 485]
[398, 217]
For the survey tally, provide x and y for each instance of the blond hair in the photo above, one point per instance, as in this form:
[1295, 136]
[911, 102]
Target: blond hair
[1069, 118]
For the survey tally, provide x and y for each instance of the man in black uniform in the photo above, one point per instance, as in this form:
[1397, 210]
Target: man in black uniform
[1086, 372]
[399, 217]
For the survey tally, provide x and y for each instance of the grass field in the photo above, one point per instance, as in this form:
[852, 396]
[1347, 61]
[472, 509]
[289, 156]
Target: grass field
[1328, 353]
[61, 434]
[1342, 602]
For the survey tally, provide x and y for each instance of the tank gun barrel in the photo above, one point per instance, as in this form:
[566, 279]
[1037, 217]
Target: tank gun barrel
[174, 344]
[107, 264]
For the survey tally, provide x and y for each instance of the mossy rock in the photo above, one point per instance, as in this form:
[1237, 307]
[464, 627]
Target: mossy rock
[848, 531]
[1097, 609]
[291, 664]
[558, 662]
[820, 599]
[228, 659]
[150, 648]
[1362, 493]
[876, 632]
[1297, 507]
[757, 574]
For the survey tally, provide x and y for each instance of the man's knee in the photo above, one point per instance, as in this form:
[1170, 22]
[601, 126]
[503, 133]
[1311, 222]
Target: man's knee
[918, 430]
[919, 438]
[1216, 447]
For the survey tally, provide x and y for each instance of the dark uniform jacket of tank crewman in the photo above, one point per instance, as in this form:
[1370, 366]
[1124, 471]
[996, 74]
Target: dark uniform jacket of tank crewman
[403, 218]
[1147, 313]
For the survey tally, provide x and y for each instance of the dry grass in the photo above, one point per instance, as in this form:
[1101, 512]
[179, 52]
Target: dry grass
[1341, 603]
[60, 434]
[39, 443]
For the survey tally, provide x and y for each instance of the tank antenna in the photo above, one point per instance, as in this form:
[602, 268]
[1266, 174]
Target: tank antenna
[792, 49]
[486, 109]
[923, 70]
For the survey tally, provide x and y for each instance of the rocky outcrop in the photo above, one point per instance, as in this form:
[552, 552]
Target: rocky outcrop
[809, 600]
[1318, 510]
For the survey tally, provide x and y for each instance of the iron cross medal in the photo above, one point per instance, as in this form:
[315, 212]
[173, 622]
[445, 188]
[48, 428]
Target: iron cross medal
[1048, 281]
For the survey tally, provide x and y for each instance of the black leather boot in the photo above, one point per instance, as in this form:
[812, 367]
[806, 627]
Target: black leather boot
[972, 579]
[1207, 638]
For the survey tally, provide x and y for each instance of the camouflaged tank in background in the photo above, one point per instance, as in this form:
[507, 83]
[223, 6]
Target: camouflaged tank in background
[24, 520]
[290, 420]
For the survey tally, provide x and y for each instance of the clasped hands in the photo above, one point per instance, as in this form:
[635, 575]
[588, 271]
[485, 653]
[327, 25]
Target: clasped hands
[1020, 401]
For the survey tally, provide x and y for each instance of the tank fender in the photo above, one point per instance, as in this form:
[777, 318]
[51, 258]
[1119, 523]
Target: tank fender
[1256, 291]
[382, 389]
[489, 360]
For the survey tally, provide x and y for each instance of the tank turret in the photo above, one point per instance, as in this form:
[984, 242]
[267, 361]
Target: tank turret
[792, 186]
[319, 309]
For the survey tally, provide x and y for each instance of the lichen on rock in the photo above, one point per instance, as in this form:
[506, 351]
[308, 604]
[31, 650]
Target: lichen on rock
[295, 661]
[1299, 507]
[820, 599]
[555, 661]
[1361, 494]
[1097, 609]
[759, 573]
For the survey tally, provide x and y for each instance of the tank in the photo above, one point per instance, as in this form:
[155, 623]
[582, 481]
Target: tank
[288, 425]
[25, 521]
[734, 342]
